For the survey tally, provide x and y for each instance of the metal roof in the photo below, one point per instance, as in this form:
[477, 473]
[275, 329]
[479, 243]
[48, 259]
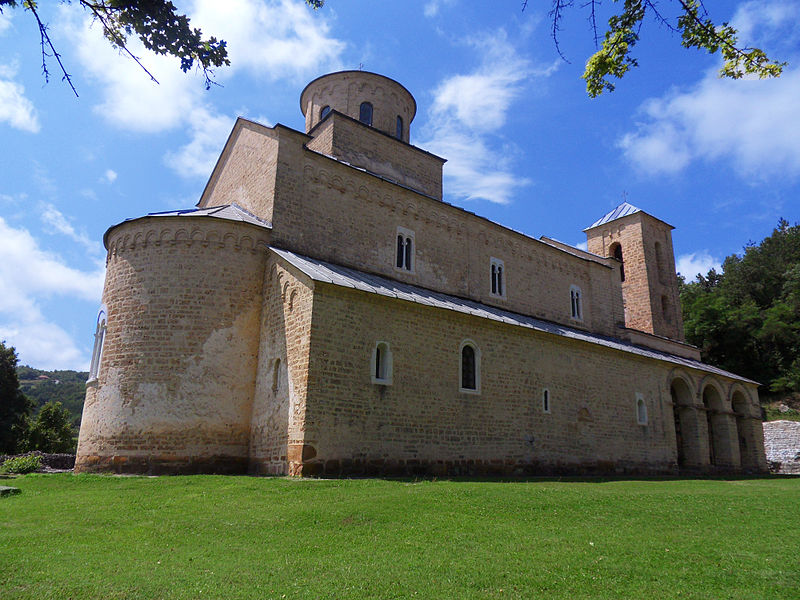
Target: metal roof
[229, 212]
[351, 278]
[623, 210]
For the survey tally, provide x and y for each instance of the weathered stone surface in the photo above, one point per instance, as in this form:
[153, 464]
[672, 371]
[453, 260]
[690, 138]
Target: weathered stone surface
[782, 444]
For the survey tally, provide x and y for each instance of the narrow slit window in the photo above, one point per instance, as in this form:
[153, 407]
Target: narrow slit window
[576, 303]
[399, 128]
[546, 401]
[276, 374]
[365, 113]
[99, 341]
[641, 410]
[382, 364]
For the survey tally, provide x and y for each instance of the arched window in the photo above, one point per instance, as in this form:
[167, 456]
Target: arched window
[497, 279]
[641, 410]
[365, 113]
[399, 128]
[576, 302]
[404, 257]
[382, 364]
[616, 252]
[470, 368]
[99, 340]
[326, 110]
[546, 401]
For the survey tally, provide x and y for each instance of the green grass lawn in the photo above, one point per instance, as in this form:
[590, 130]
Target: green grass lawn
[84, 536]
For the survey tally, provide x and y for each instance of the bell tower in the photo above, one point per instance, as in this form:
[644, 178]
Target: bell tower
[643, 246]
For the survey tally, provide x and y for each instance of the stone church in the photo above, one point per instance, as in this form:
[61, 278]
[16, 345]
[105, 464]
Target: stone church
[322, 312]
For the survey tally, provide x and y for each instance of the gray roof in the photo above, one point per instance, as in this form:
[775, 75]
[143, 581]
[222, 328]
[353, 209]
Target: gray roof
[623, 210]
[351, 278]
[230, 212]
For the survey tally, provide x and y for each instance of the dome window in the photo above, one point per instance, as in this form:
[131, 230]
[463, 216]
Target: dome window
[365, 113]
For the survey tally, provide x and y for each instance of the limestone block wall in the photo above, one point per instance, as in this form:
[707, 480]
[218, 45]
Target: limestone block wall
[423, 423]
[278, 416]
[334, 212]
[782, 443]
[245, 172]
[379, 153]
[175, 384]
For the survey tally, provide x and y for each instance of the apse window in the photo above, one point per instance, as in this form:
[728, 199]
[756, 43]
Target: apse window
[641, 410]
[399, 128]
[470, 372]
[546, 401]
[99, 340]
[576, 303]
[404, 254]
[382, 364]
[365, 113]
[497, 276]
[326, 110]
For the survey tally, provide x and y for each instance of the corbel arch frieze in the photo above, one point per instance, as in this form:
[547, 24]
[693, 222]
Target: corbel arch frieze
[167, 236]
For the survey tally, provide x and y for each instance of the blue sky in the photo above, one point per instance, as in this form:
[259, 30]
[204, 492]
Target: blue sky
[526, 147]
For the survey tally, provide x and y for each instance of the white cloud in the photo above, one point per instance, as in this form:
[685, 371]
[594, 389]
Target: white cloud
[749, 123]
[275, 38]
[209, 132]
[431, 8]
[5, 21]
[50, 215]
[29, 275]
[110, 176]
[467, 112]
[15, 108]
[694, 263]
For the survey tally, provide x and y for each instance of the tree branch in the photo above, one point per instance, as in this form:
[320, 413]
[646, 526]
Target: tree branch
[45, 39]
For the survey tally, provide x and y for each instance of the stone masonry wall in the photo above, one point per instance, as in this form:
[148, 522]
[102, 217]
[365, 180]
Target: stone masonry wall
[176, 378]
[782, 443]
[423, 423]
[334, 212]
[277, 423]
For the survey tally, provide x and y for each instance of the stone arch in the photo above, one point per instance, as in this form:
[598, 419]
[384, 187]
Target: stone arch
[746, 424]
[723, 450]
[690, 451]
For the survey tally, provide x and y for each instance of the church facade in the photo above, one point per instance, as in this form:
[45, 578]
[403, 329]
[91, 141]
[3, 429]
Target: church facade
[323, 312]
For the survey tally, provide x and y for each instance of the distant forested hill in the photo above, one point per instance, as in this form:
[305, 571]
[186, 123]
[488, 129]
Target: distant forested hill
[67, 387]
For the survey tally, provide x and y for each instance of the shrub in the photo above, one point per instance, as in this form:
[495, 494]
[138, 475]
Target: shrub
[22, 464]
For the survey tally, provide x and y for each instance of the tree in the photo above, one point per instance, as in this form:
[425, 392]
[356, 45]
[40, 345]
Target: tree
[747, 320]
[614, 56]
[51, 432]
[14, 406]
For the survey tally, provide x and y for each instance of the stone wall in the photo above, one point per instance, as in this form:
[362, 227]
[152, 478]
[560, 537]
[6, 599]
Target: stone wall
[175, 384]
[423, 423]
[782, 443]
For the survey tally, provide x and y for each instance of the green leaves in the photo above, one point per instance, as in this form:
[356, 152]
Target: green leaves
[697, 30]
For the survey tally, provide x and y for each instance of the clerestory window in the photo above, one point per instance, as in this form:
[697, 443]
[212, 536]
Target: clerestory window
[497, 276]
[576, 303]
[365, 113]
[404, 252]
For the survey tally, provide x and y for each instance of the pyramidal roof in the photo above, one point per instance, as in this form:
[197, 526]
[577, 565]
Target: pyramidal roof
[623, 210]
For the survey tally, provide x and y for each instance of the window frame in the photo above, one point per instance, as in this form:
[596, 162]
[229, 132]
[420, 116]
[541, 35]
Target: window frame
[476, 355]
[366, 105]
[407, 258]
[99, 343]
[576, 303]
[641, 409]
[497, 278]
[381, 348]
